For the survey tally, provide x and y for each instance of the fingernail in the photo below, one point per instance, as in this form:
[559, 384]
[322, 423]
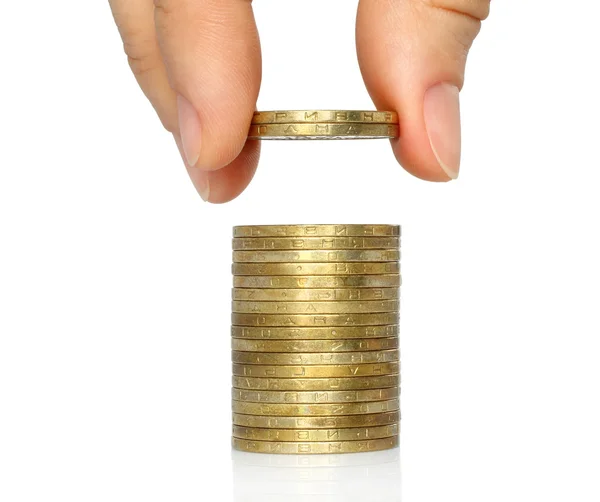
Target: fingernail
[203, 186]
[442, 121]
[199, 178]
[189, 128]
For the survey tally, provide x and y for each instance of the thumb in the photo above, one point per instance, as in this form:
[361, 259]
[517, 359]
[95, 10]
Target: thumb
[412, 55]
[212, 56]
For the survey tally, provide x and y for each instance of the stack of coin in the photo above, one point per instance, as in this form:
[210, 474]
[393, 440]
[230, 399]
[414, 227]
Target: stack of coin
[315, 338]
[323, 124]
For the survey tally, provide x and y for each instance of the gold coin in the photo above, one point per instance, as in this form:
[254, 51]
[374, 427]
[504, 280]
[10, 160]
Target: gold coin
[311, 359]
[304, 333]
[391, 267]
[323, 131]
[315, 243]
[339, 230]
[325, 371]
[292, 320]
[314, 295]
[316, 448]
[355, 345]
[308, 435]
[317, 256]
[318, 282]
[368, 307]
[315, 397]
[308, 384]
[324, 116]
[295, 410]
[349, 421]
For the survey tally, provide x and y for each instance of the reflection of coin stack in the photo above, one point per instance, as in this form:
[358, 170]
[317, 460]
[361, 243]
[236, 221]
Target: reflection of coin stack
[372, 477]
[315, 338]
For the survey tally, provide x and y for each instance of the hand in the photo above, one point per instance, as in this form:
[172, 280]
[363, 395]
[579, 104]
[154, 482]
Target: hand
[199, 63]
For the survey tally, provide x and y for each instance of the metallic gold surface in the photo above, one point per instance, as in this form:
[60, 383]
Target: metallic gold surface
[317, 256]
[315, 384]
[303, 410]
[324, 116]
[314, 295]
[315, 333]
[352, 307]
[323, 131]
[349, 421]
[315, 268]
[315, 243]
[315, 312]
[359, 344]
[339, 230]
[308, 435]
[315, 397]
[318, 282]
[316, 447]
[292, 320]
[325, 371]
[314, 359]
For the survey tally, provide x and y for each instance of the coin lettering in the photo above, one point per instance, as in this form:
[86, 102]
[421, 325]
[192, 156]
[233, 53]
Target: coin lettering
[321, 230]
[322, 358]
[315, 447]
[319, 409]
[316, 371]
[315, 333]
[312, 384]
[349, 421]
[317, 282]
[325, 116]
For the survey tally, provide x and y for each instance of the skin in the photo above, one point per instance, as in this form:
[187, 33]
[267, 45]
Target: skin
[199, 64]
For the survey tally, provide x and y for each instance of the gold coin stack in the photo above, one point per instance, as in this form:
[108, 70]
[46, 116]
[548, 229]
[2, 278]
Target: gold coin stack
[315, 344]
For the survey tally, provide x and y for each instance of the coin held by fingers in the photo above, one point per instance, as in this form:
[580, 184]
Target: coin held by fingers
[324, 124]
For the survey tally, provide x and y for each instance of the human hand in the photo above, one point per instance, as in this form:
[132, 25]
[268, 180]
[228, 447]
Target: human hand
[199, 64]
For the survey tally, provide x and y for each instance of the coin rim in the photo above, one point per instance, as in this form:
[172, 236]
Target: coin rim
[320, 307]
[312, 355]
[333, 131]
[291, 422]
[367, 281]
[244, 255]
[394, 391]
[344, 332]
[267, 344]
[236, 431]
[395, 377]
[313, 269]
[270, 294]
[306, 320]
[302, 409]
[323, 230]
[337, 246]
[257, 120]
[320, 371]
[393, 442]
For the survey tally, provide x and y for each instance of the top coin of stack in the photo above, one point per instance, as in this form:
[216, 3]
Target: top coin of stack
[315, 338]
[323, 124]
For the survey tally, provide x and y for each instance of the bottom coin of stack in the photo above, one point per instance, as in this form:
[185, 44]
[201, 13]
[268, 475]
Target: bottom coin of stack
[315, 344]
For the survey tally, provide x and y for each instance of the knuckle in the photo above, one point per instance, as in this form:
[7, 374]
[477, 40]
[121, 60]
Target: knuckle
[476, 9]
[140, 55]
[213, 24]
[214, 17]
[165, 6]
[461, 22]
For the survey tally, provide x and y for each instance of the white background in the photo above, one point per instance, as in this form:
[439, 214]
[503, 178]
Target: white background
[115, 276]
